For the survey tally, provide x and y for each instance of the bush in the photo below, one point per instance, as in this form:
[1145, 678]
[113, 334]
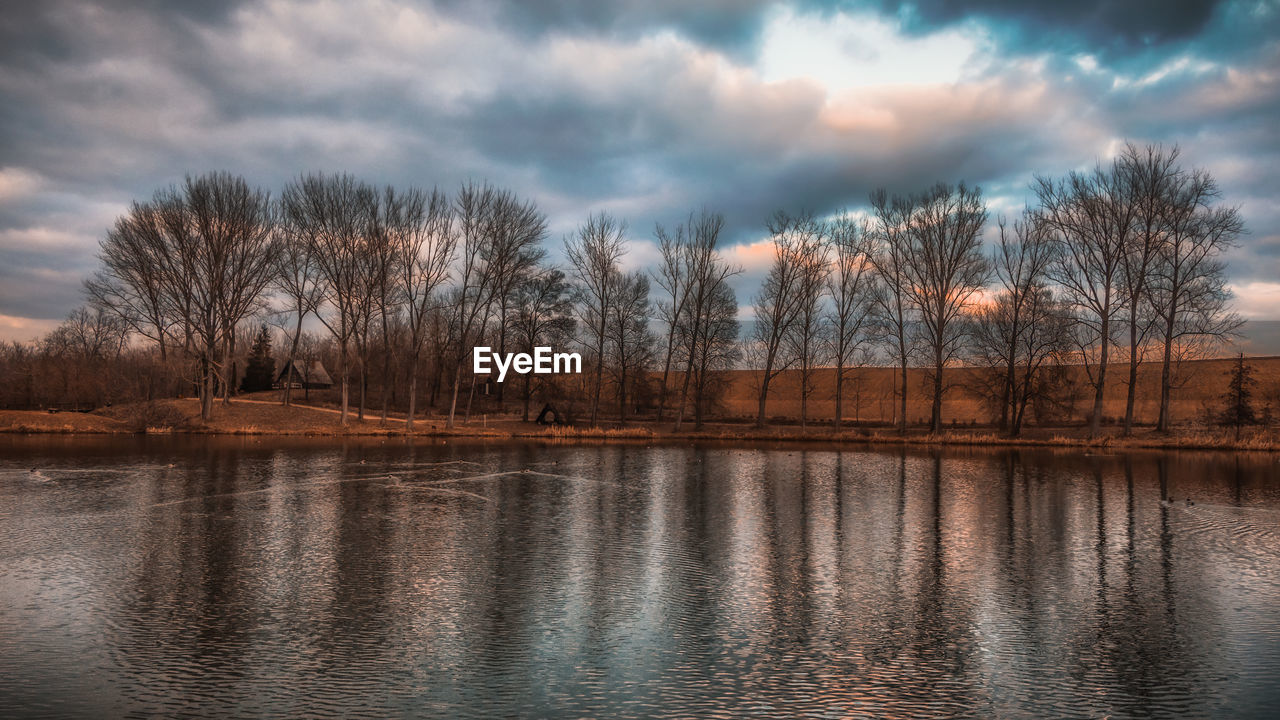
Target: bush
[144, 417]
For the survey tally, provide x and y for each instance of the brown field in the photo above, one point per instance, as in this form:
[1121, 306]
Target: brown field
[1203, 383]
[964, 412]
[259, 414]
[39, 421]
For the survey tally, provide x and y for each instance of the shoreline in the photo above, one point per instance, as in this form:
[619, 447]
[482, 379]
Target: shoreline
[257, 418]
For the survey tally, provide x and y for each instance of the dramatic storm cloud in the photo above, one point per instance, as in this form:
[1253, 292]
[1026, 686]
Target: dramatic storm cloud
[645, 109]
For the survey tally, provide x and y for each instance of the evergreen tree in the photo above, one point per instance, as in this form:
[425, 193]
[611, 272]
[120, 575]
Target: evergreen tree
[260, 372]
[1238, 400]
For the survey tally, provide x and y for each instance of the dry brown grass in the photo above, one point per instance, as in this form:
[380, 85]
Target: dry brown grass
[36, 421]
[1203, 384]
[562, 432]
[267, 417]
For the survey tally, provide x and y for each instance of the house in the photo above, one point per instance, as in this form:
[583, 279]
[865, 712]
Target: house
[314, 378]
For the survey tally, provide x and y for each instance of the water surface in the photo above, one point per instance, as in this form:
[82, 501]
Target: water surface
[211, 577]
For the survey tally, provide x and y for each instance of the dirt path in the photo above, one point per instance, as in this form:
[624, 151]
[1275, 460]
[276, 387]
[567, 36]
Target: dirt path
[296, 405]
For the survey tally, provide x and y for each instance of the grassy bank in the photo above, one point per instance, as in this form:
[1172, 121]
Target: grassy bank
[260, 417]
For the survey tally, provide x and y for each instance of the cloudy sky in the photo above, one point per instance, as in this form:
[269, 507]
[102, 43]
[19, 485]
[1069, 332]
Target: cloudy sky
[644, 108]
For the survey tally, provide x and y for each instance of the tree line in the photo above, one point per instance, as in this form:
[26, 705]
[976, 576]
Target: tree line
[1109, 267]
[1124, 258]
[405, 282]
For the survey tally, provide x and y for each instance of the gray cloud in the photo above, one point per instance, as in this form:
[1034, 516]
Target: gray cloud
[728, 25]
[42, 283]
[734, 26]
[1107, 25]
[580, 107]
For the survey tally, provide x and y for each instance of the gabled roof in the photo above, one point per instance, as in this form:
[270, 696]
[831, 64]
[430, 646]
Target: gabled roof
[317, 374]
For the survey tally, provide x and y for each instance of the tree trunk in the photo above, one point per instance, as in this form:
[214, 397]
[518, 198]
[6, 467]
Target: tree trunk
[471, 395]
[595, 397]
[804, 394]
[293, 353]
[413, 398]
[502, 350]
[1007, 394]
[346, 381]
[684, 384]
[1133, 372]
[386, 369]
[364, 384]
[413, 391]
[437, 375]
[936, 410]
[666, 374]
[453, 404]
[622, 397]
[764, 392]
[902, 419]
[699, 398]
[839, 393]
[206, 394]
[228, 367]
[1095, 423]
[527, 392]
[1166, 373]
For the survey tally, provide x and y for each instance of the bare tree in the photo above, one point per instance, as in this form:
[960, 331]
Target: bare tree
[1023, 334]
[892, 305]
[512, 255]
[1188, 285]
[1146, 175]
[473, 210]
[542, 316]
[498, 238]
[297, 278]
[1023, 256]
[19, 365]
[1092, 214]
[420, 228]
[804, 338]
[594, 253]
[94, 333]
[630, 344]
[80, 358]
[672, 278]
[132, 282]
[717, 350]
[704, 271]
[380, 277]
[945, 270]
[849, 286]
[211, 249]
[237, 223]
[137, 282]
[780, 299]
[333, 214]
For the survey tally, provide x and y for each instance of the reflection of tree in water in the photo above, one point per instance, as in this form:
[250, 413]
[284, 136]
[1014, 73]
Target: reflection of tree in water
[1127, 651]
[908, 648]
[780, 583]
[888, 639]
[197, 557]
[940, 635]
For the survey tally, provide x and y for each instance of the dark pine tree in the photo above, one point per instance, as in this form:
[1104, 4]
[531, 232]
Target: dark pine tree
[1238, 400]
[260, 372]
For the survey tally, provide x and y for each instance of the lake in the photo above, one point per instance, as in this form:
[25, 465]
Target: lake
[215, 576]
